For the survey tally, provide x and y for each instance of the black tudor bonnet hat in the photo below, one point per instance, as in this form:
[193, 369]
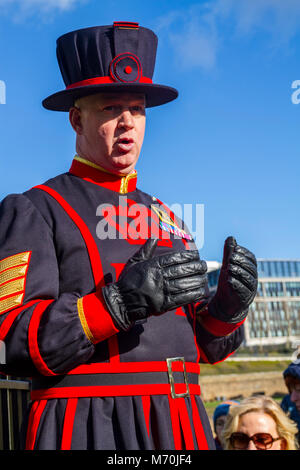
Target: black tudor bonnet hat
[114, 58]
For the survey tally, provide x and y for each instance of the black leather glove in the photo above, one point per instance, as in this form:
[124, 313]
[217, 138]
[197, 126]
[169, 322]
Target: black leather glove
[237, 284]
[151, 285]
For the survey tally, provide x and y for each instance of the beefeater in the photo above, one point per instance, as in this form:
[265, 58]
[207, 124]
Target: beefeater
[103, 297]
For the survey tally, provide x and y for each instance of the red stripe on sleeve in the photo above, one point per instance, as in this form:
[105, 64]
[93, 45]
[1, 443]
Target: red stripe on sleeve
[9, 320]
[218, 327]
[33, 338]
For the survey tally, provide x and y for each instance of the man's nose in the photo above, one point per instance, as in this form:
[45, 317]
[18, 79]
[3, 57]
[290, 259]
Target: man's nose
[126, 119]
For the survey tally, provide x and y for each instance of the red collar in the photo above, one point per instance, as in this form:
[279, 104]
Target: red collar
[95, 174]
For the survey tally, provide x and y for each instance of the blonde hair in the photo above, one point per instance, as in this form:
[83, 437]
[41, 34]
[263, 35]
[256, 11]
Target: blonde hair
[286, 428]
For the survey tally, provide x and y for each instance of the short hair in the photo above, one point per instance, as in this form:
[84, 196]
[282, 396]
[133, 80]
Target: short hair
[286, 428]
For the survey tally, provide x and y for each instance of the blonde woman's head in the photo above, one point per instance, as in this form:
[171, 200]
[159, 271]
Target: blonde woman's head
[256, 415]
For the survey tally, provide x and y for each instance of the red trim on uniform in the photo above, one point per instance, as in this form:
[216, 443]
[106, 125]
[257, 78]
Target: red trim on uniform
[185, 424]
[146, 407]
[7, 323]
[86, 234]
[199, 431]
[103, 80]
[112, 391]
[118, 267]
[203, 356]
[98, 317]
[33, 423]
[179, 311]
[113, 348]
[107, 180]
[68, 425]
[174, 414]
[33, 338]
[131, 367]
[192, 313]
[218, 327]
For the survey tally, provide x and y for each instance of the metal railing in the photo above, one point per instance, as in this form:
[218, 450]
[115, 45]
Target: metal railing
[14, 399]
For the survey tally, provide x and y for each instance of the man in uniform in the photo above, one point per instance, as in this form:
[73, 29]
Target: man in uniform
[109, 318]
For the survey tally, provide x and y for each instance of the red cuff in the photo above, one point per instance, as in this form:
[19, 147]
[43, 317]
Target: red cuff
[95, 318]
[218, 327]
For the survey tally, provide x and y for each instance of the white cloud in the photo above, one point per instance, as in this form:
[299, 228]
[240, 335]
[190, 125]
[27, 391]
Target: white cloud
[20, 9]
[43, 4]
[198, 33]
[280, 18]
[192, 34]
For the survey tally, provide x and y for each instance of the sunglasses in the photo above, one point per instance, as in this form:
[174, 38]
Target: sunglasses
[261, 440]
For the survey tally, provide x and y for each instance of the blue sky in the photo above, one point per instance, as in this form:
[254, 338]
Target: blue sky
[231, 139]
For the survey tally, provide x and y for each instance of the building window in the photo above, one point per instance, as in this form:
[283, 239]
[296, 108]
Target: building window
[274, 289]
[292, 289]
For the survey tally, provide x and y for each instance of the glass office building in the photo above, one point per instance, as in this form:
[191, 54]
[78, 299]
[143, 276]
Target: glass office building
[274, 315]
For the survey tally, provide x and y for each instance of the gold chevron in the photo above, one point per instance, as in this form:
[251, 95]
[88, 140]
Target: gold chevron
[15, 260]
[12, 287]
[10, 302]
[12, 273]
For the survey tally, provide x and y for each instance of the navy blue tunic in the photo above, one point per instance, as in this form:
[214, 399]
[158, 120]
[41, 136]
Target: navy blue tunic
[94, 387]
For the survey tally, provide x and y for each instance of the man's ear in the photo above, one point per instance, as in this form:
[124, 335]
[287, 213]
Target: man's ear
[75, 119]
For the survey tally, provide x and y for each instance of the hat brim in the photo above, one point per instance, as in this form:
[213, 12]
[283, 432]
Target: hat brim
[155, 94]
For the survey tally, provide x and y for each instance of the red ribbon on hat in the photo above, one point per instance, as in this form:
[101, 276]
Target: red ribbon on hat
[102, 80]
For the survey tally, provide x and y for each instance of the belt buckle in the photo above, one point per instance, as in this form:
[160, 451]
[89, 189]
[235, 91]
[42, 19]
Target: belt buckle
[171, 377]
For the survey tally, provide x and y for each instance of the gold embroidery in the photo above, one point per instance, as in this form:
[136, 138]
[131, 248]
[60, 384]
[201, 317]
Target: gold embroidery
[12, 287]
[15, 260]
[83, 321]
[124, 183]
[12, 273]
[11, 302]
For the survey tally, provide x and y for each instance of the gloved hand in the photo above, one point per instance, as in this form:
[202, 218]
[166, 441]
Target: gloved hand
[237, 284]
[151, 285]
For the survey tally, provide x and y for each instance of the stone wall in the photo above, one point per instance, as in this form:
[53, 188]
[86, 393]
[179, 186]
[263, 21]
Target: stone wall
[236, 385]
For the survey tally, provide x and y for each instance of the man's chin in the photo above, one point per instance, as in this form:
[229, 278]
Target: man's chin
[122, 166]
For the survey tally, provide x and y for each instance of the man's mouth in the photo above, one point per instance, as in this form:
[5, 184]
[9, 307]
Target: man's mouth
[125, 144]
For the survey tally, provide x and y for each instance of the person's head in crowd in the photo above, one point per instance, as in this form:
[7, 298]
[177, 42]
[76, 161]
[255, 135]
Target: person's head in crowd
[219, 418]
[258, 423]
[291, 377]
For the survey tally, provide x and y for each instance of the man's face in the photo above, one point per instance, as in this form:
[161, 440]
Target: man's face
[110, 129]
[220, 423]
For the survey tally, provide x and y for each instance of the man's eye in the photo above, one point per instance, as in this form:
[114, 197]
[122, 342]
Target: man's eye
[112, 108]
[138, 109]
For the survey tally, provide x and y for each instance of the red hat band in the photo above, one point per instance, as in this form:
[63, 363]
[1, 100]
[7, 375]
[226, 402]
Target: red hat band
[125, 68]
